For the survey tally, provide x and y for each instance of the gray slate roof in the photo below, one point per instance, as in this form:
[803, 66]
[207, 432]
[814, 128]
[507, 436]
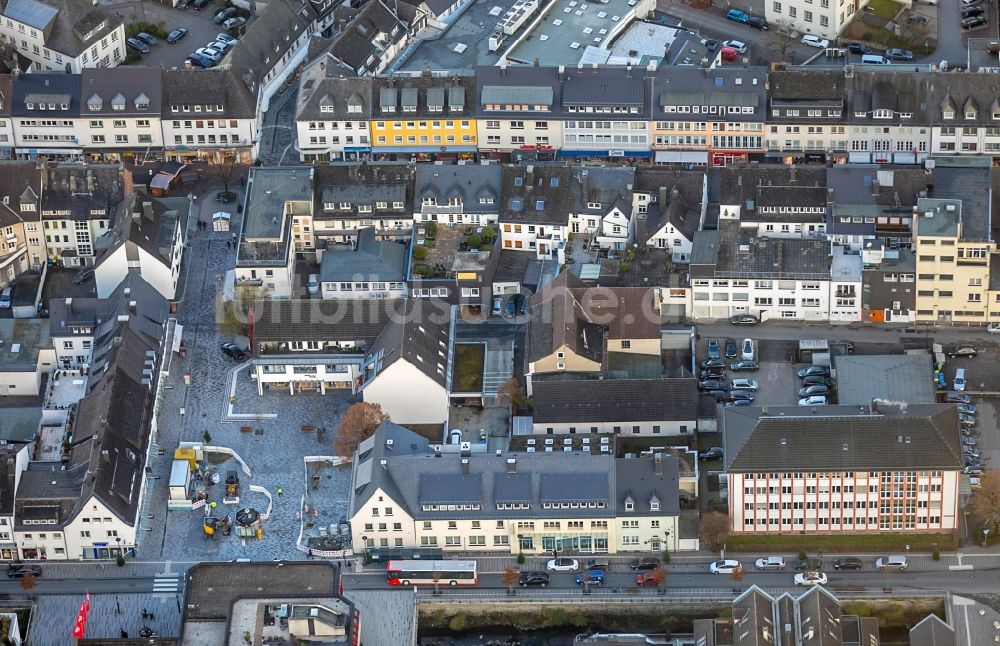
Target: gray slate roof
[932, 631]
[839, 438]
[736, 87]
[513, 84]
[278, 26]
[70, 27]
[327, 85]
[39, 89]
[412, 476]
[232, 87]
[468, 182]
[608, 86]
[322, 320]
[615, 400]
[419, 333]
[372, 30]
[366, 183]
[732, 252]
[682, 193]
[610, 187]
[372, 260]
[536, 194]
[132, 87]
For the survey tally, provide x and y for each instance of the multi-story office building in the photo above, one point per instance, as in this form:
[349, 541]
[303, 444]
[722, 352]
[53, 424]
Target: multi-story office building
[332, 112]
[424, 118]
[806, 121]
[888, 116]
[46, 113]
[605, 112]
[351, 197]
[120, 113]
[406, 495]
[713, 117]
[833, 469]
[79, 204]
[519, 112]
[65, 37]
[825, 18]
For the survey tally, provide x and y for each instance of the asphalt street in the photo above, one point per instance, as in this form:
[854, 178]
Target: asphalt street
[964, 582]
[855, 332]
[167, 584]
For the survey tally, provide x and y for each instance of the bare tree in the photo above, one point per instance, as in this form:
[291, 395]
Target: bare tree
[781, 38]
[232, 317]
[509, 392]
[985, 501]
[226, 172]
[737, 574]
[357, 425]
[28, 581]
[714, 528]
[509, 577]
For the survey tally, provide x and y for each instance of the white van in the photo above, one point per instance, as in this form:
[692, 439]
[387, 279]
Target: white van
[874, 59]
[747, 350]
[959, 381]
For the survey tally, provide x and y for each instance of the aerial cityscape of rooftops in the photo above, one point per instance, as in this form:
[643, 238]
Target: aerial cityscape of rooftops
[507, 322]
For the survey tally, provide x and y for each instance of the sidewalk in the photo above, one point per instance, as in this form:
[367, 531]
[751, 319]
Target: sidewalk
[109, 570]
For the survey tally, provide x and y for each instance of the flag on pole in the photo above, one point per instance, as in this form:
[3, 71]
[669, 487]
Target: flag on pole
[80, 625]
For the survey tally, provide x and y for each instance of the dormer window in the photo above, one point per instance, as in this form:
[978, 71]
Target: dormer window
[593, 205]
[882, 114]
[948, 114]
[996, 116]
[654, 505]
[629, 505]
[970, 114]
[429, 201]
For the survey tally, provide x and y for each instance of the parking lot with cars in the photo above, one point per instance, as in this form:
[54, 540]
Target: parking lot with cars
[199, 26]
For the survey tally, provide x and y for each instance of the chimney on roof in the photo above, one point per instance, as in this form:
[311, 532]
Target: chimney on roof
[658, 464]
[132, 306]
[147, 210]
[875, 186]
[426, 73]
[465, 466]
[511, 465]
[72, 182]
[562, 72]
[663, 197]
[585, 184]
[90, 181]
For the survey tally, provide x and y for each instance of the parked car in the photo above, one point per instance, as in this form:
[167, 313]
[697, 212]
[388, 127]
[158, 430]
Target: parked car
[225, 38]
[176, 35]
[744, 366]
[312, 285]
[757, 23]
[711, 373]
[966, 420]
[590, 577]
[813, 400]
[713, 453]
[200, 5]
[182, 4]
[209, 53]
[149, 39]
[497, 306]
[720, 395]
[897, 562]
[713, 384]
[817, 380]
[738, 45]
[511, 308]
[810, 578]
[83, 275]
[599, 564]
[809, 391]
[137, 45]
[897, 54]
[736, 403]
[712, 363]
[969, 441]
[810, 40]
[858, 48]
[743, 383]
[18, 571]
[740, 395]
[220, 46]
[770, 563]
[646, 563]
[732, 350]
[233, 351]
[962, 351]
[201, 61]
[847, 563]
[969, 12]
[974, 21]
[562, 565]
[958, 383]
[973, 470]
[738, 16]
[743, 319]
[235, 22]
[975, 482]
[967, 409]
[811, 371]
[747, 350]
[724, 566]
[6, 298]
[957, 398]
[540, 579]
[224, 15]
[971, 452]
[811, 564]
[993, 328]
[713, 349]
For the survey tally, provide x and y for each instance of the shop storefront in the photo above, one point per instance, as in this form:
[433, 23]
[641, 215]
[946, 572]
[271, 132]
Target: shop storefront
[424, 153]
[625, 156]
[684, 157]
[49, 153]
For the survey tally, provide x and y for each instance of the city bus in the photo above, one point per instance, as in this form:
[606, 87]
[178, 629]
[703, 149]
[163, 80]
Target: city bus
[425, 572]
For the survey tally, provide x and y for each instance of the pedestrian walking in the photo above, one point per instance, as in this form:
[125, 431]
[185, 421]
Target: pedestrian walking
[280, 491]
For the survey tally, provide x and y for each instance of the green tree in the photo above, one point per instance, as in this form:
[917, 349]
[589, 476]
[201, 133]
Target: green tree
[232, 317]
